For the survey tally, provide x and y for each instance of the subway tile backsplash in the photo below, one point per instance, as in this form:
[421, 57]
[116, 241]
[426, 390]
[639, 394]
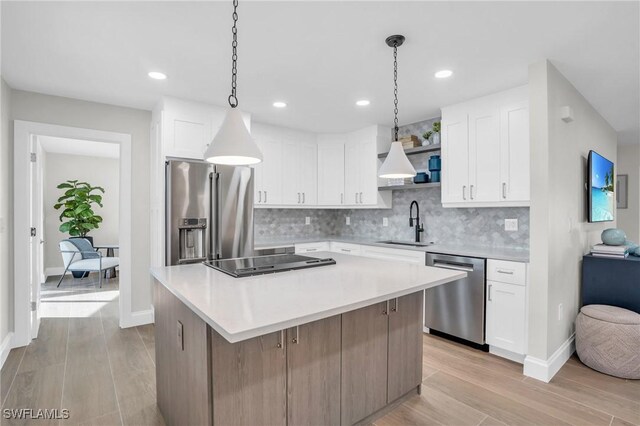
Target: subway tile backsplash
[473, 226]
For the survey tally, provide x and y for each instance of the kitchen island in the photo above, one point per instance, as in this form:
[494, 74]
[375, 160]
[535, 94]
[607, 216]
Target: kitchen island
[329, 345]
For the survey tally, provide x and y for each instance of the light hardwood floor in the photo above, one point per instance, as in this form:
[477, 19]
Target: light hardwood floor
[105, 375]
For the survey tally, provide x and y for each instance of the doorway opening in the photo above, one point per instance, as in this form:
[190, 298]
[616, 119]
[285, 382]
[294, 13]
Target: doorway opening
[69, 167]
[45, 156]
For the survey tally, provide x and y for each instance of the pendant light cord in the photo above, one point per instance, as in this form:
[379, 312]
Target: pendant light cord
[395, 90]
[233, 99]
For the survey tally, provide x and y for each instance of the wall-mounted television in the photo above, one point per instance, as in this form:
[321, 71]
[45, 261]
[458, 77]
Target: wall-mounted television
[601, 188]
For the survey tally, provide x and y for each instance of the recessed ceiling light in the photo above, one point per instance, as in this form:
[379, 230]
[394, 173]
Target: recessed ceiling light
[157, 75]
[444, 74]
[363, 102]
[279, 104]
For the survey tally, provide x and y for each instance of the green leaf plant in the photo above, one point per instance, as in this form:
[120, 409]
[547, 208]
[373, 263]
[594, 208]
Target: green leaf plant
[77, 217]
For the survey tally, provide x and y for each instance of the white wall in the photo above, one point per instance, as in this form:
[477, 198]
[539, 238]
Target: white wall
[560, 234]
[6, 215]
[41, 108]
[97, 171]
[629, 163]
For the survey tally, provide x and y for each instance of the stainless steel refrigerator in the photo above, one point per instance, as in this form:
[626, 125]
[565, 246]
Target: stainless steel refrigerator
[209, 212]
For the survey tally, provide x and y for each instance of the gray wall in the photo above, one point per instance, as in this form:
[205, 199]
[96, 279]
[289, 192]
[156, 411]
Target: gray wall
[41, 108]
[98, 171]
[560, 231]
[6, 215]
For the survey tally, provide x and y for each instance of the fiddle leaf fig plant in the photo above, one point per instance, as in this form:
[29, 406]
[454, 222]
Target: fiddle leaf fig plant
[77, 217]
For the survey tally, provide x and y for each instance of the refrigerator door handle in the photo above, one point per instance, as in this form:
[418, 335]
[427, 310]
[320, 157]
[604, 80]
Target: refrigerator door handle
[214, 216]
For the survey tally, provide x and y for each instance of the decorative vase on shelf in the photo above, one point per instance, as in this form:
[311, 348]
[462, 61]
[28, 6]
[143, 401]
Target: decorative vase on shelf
[613, 237]
[434, 167]
[435, 139]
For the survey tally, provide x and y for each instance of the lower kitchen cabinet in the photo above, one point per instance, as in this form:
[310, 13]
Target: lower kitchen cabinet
[249, 380]
[506, 314]
[388, 337]
[313, 373]
[405, 345]
[365, 336]
[182, 370]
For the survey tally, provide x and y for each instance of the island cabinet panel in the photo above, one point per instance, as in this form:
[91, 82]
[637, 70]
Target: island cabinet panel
[182, 367]
[313, 373]
[249, 380]
[405, 345]
[364, 362]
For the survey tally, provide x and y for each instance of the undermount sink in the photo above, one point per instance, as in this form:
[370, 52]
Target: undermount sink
[406, 243]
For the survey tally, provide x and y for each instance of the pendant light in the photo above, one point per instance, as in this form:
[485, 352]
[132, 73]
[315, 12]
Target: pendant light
[396, 165]
[233, 145]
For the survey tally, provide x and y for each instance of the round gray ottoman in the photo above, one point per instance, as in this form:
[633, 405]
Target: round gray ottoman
[608, 340]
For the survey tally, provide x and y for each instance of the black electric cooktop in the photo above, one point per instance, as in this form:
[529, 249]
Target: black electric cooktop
[248, 266]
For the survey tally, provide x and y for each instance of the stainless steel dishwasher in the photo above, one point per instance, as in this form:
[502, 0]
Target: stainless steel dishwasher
[457, 308]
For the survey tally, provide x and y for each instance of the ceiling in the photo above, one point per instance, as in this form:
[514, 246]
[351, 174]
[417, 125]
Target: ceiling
[320, 57]
[79, 147]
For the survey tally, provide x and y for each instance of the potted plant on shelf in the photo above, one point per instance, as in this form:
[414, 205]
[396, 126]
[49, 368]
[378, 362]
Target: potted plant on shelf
[77, 217]
[427, 137]
[436, 132]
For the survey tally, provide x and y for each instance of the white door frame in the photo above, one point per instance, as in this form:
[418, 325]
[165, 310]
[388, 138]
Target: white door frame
[24, 131]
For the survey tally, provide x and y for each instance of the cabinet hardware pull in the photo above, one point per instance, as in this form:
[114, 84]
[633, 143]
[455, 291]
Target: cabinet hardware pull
[386, 309]
[298, 198]
[489, 295]
[471, 191]
[504, 190]
[295, 340]
[265, 196]
[464, 192]
[356, 196]
[311, 249]
[259, 196]
[395, 305]
[346, 250]
[361, 198]
[342, 198]
[280, 339]
[303, 198]
[503, 271]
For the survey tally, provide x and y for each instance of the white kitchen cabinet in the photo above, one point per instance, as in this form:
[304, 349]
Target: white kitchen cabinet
[506, 308]
[455, 156]
[331, 171]
[361, 165]
[485, 151]
[312, 247]
[514, 152]
[299, 186]
[345, 248]
[386, 253]
[268, 173]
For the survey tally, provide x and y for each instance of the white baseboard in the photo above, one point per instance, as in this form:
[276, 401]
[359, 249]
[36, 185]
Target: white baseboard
[137, 318]
[55, 271]
[5, 348]
[503, 353]
[544, 370]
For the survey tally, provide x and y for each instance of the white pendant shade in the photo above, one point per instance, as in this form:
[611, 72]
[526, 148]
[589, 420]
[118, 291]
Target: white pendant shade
[233, 145]
[396, 165]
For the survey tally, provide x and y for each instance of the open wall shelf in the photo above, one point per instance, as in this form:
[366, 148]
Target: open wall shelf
[417, 150]
[409, 186]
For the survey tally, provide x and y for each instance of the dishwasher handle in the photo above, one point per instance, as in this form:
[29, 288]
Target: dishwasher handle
[453, 265]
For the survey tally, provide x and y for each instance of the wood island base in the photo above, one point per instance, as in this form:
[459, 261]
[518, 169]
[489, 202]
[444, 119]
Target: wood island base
[342, 370]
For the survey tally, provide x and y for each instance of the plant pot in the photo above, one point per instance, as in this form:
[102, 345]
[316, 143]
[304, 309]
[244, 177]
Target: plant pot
[435, 139]
[82, 274]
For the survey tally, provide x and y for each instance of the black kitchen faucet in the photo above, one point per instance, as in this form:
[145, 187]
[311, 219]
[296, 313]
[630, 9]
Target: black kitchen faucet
[418, 226]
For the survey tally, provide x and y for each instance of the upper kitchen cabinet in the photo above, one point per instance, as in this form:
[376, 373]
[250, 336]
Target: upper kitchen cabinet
[331, 156]
[268, 173]
[348, 168]
[188, 127]
[300, 158]
[485, 151]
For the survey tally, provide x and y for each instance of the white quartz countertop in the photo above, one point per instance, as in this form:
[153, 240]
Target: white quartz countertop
[242, 308]
[488, 252]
